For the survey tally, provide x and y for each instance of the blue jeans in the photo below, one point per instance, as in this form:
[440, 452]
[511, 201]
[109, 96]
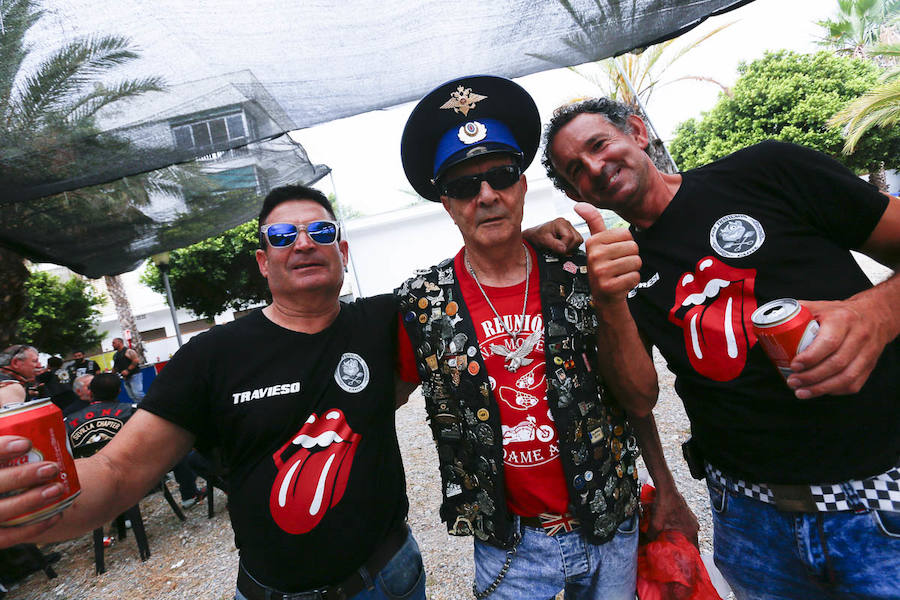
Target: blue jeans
[403, 578]
[765, 553]
[544, 565]
[134, 386]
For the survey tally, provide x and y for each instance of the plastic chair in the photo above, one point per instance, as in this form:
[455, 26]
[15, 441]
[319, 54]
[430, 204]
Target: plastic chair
[215, 478]
[133, 514]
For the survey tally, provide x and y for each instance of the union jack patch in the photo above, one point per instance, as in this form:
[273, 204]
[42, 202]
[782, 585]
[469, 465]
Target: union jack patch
[554, 524]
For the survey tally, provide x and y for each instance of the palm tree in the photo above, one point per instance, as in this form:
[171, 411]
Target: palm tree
[58, 99]
[644, 69]
[879, 107]
[858, 29]
[633, 77]
[123, 311]
[859, 25]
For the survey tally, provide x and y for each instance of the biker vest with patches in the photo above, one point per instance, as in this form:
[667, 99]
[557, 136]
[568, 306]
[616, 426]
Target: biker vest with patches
[597, 446]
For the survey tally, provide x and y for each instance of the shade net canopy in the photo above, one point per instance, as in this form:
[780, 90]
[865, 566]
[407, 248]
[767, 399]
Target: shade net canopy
[138, 126]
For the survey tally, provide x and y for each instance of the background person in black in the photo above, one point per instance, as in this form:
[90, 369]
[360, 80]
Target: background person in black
[126, 363]
[770, 221]
[100, 420]
[81, 366]
[55, 384]
[317, 492]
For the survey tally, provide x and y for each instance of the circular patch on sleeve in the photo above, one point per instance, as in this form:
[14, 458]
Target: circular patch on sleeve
[352, 373]
[736, 236]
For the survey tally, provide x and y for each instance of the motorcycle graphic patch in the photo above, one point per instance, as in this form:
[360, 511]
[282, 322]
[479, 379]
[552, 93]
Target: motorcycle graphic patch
[736, 236]
[713, 307]
[313, 468]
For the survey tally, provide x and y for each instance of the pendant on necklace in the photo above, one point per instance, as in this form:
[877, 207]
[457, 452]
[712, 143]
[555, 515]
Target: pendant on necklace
[518, 357]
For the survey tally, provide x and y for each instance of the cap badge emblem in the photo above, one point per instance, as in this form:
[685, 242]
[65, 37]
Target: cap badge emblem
[472, 132]
[463, 100]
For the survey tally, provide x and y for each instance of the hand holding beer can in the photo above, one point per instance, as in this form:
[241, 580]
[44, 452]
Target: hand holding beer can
[785, 328]
[41, 422]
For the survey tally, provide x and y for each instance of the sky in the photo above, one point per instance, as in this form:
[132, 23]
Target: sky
[364, 151]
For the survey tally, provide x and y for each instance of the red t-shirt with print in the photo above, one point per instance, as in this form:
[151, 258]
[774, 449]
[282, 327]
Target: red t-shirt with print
[535, 482]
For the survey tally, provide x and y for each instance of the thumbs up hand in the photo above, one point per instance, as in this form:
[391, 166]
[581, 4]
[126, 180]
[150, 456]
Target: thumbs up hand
[612, 255]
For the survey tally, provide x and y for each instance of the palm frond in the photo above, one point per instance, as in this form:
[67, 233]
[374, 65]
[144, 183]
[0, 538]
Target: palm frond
[64, 73]
[88, 105]
[693, 44]
[879, 107]
[18, 17]
[885, 50]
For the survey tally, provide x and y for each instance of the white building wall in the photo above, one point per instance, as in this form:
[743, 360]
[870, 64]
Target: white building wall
[386, 249]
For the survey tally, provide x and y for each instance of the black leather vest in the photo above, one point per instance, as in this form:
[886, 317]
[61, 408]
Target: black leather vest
[597, 446]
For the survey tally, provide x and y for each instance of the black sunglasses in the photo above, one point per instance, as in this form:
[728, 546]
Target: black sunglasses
[468, 186]
[283, 235]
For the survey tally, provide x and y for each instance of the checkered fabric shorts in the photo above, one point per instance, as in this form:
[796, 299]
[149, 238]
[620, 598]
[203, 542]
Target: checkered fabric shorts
[880, 492]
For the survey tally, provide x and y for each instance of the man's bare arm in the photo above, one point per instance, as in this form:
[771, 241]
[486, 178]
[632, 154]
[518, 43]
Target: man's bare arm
[402, 390]
[670, 511]
[854, 331]
[111, 481]
[131, 355]
[614, 270]
[11, 392]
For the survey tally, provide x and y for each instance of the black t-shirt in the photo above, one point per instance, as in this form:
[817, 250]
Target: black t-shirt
[85, 367]
[121, 362]
[97, 422]
[305, 423]
[771, 221]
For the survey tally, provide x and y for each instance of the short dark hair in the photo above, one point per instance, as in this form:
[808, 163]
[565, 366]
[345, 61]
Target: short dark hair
[616, 113]
[105, 387]
[54, 362]
[287, 193]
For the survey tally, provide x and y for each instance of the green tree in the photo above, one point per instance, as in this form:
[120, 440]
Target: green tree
[789, 97]
[860, 29]
[56, 99]
[214, 275]
[60, 316]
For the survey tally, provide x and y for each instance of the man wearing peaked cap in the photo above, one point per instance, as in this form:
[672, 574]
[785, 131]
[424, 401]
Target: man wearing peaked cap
[526, 382]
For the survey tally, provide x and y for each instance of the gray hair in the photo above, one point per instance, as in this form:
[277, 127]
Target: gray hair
[10, 354]
[81, 382]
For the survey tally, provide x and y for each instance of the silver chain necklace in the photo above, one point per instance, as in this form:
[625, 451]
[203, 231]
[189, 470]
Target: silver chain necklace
[513, 334]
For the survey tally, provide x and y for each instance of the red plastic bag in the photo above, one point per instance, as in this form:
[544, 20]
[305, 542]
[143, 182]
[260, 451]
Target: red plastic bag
[669, 567]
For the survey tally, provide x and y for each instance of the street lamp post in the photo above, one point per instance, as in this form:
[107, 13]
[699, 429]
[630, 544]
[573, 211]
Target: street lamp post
[162, 263]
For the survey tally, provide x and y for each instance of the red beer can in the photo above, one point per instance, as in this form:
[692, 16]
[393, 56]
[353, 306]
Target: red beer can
[41, 422]
[784, 328]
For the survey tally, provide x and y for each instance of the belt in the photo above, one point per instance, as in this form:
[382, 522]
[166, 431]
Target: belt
[349, 587]
[879, 492]
[552, 524]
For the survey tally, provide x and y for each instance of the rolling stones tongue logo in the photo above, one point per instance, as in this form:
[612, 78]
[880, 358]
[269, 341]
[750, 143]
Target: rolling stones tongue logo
[313, 468]
[713, 307]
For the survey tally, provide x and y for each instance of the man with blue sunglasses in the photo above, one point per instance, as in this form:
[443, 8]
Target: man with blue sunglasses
[299, 397]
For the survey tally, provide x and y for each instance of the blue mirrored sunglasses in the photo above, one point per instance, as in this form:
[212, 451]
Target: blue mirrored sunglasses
[283, 235]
